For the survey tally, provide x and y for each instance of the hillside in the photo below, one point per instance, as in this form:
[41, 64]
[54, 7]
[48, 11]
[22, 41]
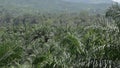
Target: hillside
[56, 5]
[47, 34]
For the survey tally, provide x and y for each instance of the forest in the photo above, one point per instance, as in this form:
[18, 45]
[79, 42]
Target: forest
[60, 40]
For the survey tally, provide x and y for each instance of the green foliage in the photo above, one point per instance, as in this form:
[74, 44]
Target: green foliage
[10, 53]
[71, 43]
[59, 41]
[114, 13]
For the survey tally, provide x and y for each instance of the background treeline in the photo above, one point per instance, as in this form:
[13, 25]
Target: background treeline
[66, 40]
[55, 6]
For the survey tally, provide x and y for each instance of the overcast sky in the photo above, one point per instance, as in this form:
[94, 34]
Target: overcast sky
[92, 0]
[117, 1]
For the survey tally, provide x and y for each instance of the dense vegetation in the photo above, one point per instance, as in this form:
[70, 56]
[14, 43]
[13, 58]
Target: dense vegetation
[55, 6]
[60, 40]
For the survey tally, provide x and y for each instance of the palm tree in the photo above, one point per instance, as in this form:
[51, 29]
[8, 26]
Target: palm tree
[114, 13]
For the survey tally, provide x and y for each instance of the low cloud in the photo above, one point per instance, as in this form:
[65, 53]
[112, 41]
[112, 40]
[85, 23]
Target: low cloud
[117, 1]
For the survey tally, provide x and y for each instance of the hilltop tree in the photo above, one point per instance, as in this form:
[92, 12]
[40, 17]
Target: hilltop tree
[114, 13]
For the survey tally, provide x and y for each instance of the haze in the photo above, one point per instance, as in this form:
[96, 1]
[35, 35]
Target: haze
[117, 1]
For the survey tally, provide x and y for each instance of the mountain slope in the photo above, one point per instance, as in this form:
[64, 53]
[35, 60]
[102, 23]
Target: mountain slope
[90, 1]
[57, 5]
